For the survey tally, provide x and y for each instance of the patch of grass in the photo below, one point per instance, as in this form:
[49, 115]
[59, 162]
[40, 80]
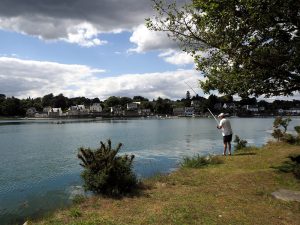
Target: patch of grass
[78, 199]
[200, 161]
[75, 212]
[249, 150]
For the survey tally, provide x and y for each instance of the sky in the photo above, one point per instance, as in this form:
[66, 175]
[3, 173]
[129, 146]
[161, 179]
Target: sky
[94, 48]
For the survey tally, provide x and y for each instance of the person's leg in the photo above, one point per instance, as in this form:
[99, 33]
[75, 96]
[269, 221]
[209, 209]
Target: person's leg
[225, 148]
[229, 148]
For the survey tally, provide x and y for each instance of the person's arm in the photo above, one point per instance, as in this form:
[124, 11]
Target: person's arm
[220, 125]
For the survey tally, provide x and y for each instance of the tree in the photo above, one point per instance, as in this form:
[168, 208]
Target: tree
[47, 100]
[163, 106]
[60, 101]
[245, 47]
[124, 101]
[112, 101]
[139, 99]
[188, 96]
[95, 100]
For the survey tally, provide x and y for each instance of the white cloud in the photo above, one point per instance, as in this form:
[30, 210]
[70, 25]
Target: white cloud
[84, 34]
[23, 78]
[177, 57]
[147, 40]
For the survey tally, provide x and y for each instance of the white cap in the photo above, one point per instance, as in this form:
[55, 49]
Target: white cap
[221, 115]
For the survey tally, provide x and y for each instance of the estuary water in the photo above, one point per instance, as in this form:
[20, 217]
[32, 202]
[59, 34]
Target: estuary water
[39, 168]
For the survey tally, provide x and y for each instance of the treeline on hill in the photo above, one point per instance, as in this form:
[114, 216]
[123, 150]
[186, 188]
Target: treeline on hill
[11, 106]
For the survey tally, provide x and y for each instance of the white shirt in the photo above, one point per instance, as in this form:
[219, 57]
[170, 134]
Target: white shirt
[226, 127]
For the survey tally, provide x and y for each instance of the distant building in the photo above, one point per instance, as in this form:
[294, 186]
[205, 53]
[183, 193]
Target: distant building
[133, 105]
[55, 112]
[78, 110]
[189, 111]
[117, 111]
[96, 107]
[144, 112]
[229, 106]
[31, 112]
[251, 108]
[178, 111]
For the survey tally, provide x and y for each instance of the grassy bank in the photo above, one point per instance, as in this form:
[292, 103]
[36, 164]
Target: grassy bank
[235, 192]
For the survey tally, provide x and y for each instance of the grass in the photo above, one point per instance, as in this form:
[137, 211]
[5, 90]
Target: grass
[200, 161]
[235, 192]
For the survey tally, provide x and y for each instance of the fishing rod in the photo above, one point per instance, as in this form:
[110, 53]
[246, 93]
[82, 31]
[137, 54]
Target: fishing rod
[207, 108]
[191, 88]
[213, 116]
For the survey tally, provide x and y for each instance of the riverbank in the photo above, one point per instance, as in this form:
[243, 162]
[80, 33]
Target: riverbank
[235, 192]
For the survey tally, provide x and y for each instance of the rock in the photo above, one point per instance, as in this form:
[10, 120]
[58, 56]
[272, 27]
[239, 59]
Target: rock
[287, 195]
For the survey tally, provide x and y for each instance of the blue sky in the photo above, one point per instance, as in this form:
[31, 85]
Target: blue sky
[96, 48]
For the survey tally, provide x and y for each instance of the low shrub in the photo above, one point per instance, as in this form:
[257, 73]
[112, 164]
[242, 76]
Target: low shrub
[291, 166]
[289, 138]
[200, 161]
[105, 172]
[240, 143]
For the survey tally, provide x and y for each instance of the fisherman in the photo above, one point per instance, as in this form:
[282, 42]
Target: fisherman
[226, 132]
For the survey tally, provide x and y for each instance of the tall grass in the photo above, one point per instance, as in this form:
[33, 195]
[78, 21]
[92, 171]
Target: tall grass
[198, 161]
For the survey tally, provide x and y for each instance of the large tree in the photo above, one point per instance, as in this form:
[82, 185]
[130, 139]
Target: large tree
[244, 47]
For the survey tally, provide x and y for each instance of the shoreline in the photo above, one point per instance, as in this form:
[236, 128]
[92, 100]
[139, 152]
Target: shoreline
[199, 196]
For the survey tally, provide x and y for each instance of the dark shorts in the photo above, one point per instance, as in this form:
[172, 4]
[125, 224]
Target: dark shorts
[227, 138]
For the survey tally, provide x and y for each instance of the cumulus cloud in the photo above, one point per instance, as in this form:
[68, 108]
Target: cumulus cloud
[75, 21]
[23, 78]
[147, 40]
[177, 57]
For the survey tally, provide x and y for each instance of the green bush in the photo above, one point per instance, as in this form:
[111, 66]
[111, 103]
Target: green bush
[289, 138]
[297, 129]
[105, 172]
[291, 166]
[240, 143]
[296, 169]
[200, 161]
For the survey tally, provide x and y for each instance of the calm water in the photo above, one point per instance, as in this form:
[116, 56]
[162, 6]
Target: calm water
[39, 169]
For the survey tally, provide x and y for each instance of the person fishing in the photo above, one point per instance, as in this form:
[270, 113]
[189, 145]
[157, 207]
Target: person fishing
[226, 132]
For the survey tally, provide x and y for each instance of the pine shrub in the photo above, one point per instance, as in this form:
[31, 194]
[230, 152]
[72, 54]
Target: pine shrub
[240, 143]
[105, 172]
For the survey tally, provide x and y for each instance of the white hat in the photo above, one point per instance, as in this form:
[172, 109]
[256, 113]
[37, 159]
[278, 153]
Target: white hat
[221, 115]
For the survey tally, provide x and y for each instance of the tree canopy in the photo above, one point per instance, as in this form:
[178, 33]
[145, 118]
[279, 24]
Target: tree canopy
[244, 47]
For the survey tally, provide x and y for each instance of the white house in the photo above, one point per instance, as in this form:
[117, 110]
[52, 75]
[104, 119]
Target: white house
[54, 112]
[77, 110]
[96, 107]
[133, 106]
[189, 111]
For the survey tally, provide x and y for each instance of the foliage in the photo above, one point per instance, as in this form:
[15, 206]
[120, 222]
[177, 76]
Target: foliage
[75, 212]
[246, 47]
[278, 124]
[291, 166]
[200, 161]
[281, 122]
[297, 129]
[105, 172]
[78, 199]
[240, 143]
